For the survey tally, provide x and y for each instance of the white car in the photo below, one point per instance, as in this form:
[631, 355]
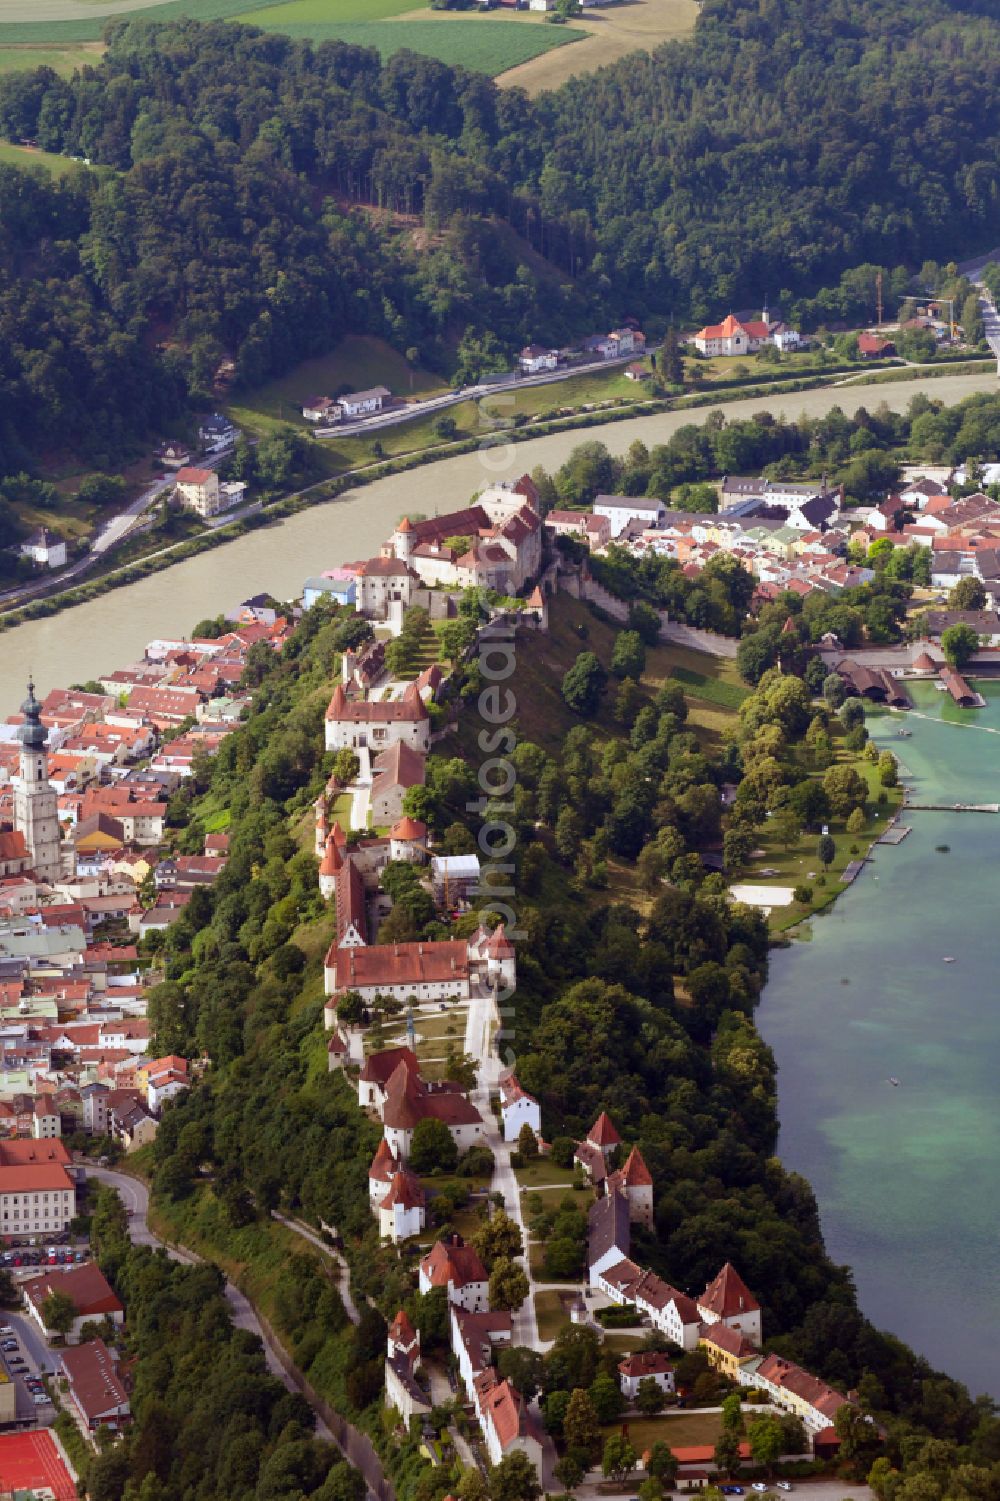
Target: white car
[783, 1485]
[758, 1485]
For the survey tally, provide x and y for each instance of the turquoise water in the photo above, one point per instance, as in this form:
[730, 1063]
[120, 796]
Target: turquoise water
[907, 1177]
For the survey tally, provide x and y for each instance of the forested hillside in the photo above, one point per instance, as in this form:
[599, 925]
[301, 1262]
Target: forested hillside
[785, 142]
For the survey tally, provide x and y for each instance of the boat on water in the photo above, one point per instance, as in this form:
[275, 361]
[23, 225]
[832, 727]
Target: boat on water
[894, 1081]
[947, 959]
[904, 734]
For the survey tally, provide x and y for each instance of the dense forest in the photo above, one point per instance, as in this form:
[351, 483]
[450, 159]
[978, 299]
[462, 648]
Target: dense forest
[648, 1016]
[219, 219]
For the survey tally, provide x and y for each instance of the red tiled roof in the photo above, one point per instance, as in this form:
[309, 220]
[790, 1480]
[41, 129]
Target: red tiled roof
[86, 1285]
[405, 1191]
[602, 1133]
[399, 964]
[728, 1295]
[410, 707]
[401, 1331]
[645, 1363]
[379, 1067]
[452, 1261]
[408, 828]
[94, 1379]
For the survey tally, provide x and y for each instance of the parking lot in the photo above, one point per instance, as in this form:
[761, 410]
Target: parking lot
[25, 1361]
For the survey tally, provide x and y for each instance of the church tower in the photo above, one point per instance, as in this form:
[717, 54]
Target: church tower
[36, 810]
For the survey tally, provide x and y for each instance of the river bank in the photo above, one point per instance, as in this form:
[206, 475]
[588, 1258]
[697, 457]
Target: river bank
[111, 631]
[905, 1176]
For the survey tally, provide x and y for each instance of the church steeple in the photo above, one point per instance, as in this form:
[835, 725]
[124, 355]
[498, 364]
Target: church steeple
[32, 733]
[36, 807]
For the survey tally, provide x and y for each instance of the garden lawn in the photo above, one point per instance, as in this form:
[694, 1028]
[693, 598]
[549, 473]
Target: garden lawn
[541, 1173]
[577, 391]
[550, 1313]
[680, 1431]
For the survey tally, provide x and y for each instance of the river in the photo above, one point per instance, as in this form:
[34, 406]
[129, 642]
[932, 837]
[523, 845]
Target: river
[109, 632]
[906, 1177]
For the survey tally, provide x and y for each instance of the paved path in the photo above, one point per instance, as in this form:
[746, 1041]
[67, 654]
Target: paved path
[307, 1233]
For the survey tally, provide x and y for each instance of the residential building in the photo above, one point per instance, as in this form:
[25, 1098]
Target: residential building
[402, 1211]
[790, 1387]
[321, 409]
[736, 336]
[337, 585]
[95, 1386]
[37, 1190]
[87, 1287]
[590, 528]
[727, 1349]
[364, 403]
[875, 346]
[645, 1365]
[205, 494]
[402, 1390]
[44, 548]
[46, 1122]
[409, 1099]
[507, 1423]
[619, 510]
[394, 771]
[518, 1109]
[451, 1264]
[535, 358]
[367, 726]
[728, 1300]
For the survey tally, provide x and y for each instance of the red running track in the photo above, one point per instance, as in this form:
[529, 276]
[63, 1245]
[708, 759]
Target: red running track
[31, 1462]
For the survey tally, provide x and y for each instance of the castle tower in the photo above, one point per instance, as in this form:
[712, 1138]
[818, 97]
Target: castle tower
[402, 539]
[36, 808]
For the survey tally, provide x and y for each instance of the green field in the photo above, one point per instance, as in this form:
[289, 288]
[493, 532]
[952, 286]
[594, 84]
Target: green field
[325, 13]
[62, 60]
[484, 46]
[357, 363]
[17, 156]
[88, 28]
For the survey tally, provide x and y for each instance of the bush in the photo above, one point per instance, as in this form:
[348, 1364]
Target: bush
[803, 895]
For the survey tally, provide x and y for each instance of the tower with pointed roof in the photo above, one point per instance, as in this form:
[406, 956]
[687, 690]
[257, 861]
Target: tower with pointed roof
[36, 807]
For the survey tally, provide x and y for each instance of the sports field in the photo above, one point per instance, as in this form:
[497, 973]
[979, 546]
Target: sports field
[31, 1462]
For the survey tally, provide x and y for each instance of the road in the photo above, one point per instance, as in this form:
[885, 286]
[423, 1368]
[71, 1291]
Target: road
[135, 1197]
[343, 1272]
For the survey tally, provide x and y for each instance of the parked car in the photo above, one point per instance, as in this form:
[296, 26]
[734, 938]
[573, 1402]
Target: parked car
[40, 1400]
[7, 1329]
[783, 1485]
[731, 1490]
[759, 1485]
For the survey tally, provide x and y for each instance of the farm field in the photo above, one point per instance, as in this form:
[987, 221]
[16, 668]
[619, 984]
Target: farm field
[486, 46]
[594, 385]
[610, 34]
[62, 60]
[286, 13]
[63, 22]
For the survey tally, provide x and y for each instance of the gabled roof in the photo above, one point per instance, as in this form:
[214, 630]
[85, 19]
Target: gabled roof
[728, 1295]
[602, 1133]
[452, 1261]
[645, 1363]
[608, 1227]
[498, 945]
[404, 1191]
[385, 1164]
[378, 1067]
[401, 1331]
[410, 707]
[635, 1173]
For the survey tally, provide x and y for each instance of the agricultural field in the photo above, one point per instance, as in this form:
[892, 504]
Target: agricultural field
[487, 45]
[611, 33]
[64, 22]
[62, 60]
